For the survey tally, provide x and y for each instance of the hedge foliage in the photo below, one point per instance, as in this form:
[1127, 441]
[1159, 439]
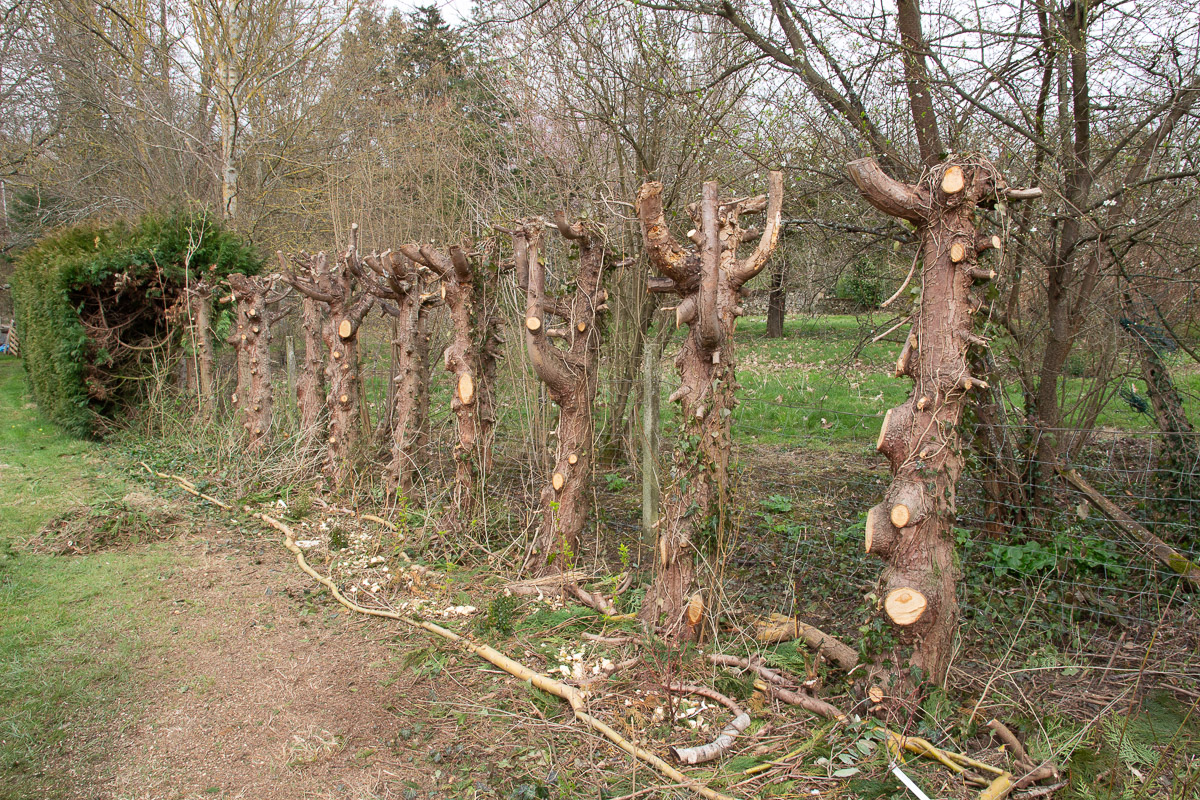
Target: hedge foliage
[95, 303]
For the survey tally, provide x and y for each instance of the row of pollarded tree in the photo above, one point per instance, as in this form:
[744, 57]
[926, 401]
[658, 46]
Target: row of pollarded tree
[910, 530]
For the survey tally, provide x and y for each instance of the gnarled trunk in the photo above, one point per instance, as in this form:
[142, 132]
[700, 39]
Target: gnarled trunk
[709, 283]
[310, 388]
[252, 335]
[913, 529]
[399, 284]
[471, 359]
[570, 375]
[202, 295]
[347, 304]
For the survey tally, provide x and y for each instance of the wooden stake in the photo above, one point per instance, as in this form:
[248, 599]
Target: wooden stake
[905, 606]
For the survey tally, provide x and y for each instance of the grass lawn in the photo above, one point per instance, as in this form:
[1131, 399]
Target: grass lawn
[67, 631]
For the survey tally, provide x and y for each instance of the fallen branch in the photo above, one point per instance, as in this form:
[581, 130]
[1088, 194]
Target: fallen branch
[489, 654]
[805, 701]
[779, 628]
[547, 584]
[350, 512]
[498, 659]
[717, 747]
[596, 601]
[1033, 772]
[187, 486]
[777, 677]
[1129, 526]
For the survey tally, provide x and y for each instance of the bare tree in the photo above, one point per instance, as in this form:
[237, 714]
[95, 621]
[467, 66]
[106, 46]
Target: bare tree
[709, 280]
[400, 285]
[913, 529]
[347, 302]
[251, 338]
[471, 358]
[570, 376]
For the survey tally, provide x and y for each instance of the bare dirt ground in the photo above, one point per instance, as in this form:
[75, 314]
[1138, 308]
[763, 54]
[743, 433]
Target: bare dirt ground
[247, 698]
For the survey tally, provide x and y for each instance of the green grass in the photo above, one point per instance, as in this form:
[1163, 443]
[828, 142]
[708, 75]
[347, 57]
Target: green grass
[69, 627]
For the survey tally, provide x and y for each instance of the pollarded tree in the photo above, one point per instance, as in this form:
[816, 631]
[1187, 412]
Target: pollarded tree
[471, 358]
[709, 281]
[570, 375]
[341, 290]
[913, 528]
[251, 338]
[200, 299]
[400, 285]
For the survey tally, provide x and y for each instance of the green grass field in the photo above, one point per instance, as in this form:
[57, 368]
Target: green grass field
[68, 642]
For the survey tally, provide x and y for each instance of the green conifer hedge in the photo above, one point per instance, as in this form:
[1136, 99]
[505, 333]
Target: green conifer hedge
[98, 309]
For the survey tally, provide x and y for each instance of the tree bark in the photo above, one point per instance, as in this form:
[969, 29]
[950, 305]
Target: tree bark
[709, 283]
[398, 280]
[777, 300]
[471, 359]
[347, 304]
[912, 530]
[202, 295]
[310, 387]
[570, 375]
[253, 343]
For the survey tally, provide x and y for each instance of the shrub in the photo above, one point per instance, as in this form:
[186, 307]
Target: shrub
[863, 284]
[94, 305]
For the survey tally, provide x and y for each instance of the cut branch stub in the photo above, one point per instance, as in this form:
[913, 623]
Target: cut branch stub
[953, 179]
[881, 534]
[909, 504]
[466, 388]
[905, 606]
[345, 329]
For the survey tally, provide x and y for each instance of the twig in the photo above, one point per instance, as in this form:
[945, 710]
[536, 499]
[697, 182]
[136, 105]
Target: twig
[903, 286]
[187, 486]
[717, 747]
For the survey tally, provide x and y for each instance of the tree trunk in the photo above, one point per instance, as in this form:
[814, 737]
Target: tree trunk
[913, 529]
[570, 375]
[310, 388]
[345, 421]
[651, 425]
[777, 300]
[471, 359]
[202, 296]
[1179, 456]
[398, 280]
[339, 290]
[709, 284]
[253, 333]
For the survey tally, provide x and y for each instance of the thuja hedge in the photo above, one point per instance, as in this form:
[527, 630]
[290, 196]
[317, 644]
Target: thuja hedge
[99, 306]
